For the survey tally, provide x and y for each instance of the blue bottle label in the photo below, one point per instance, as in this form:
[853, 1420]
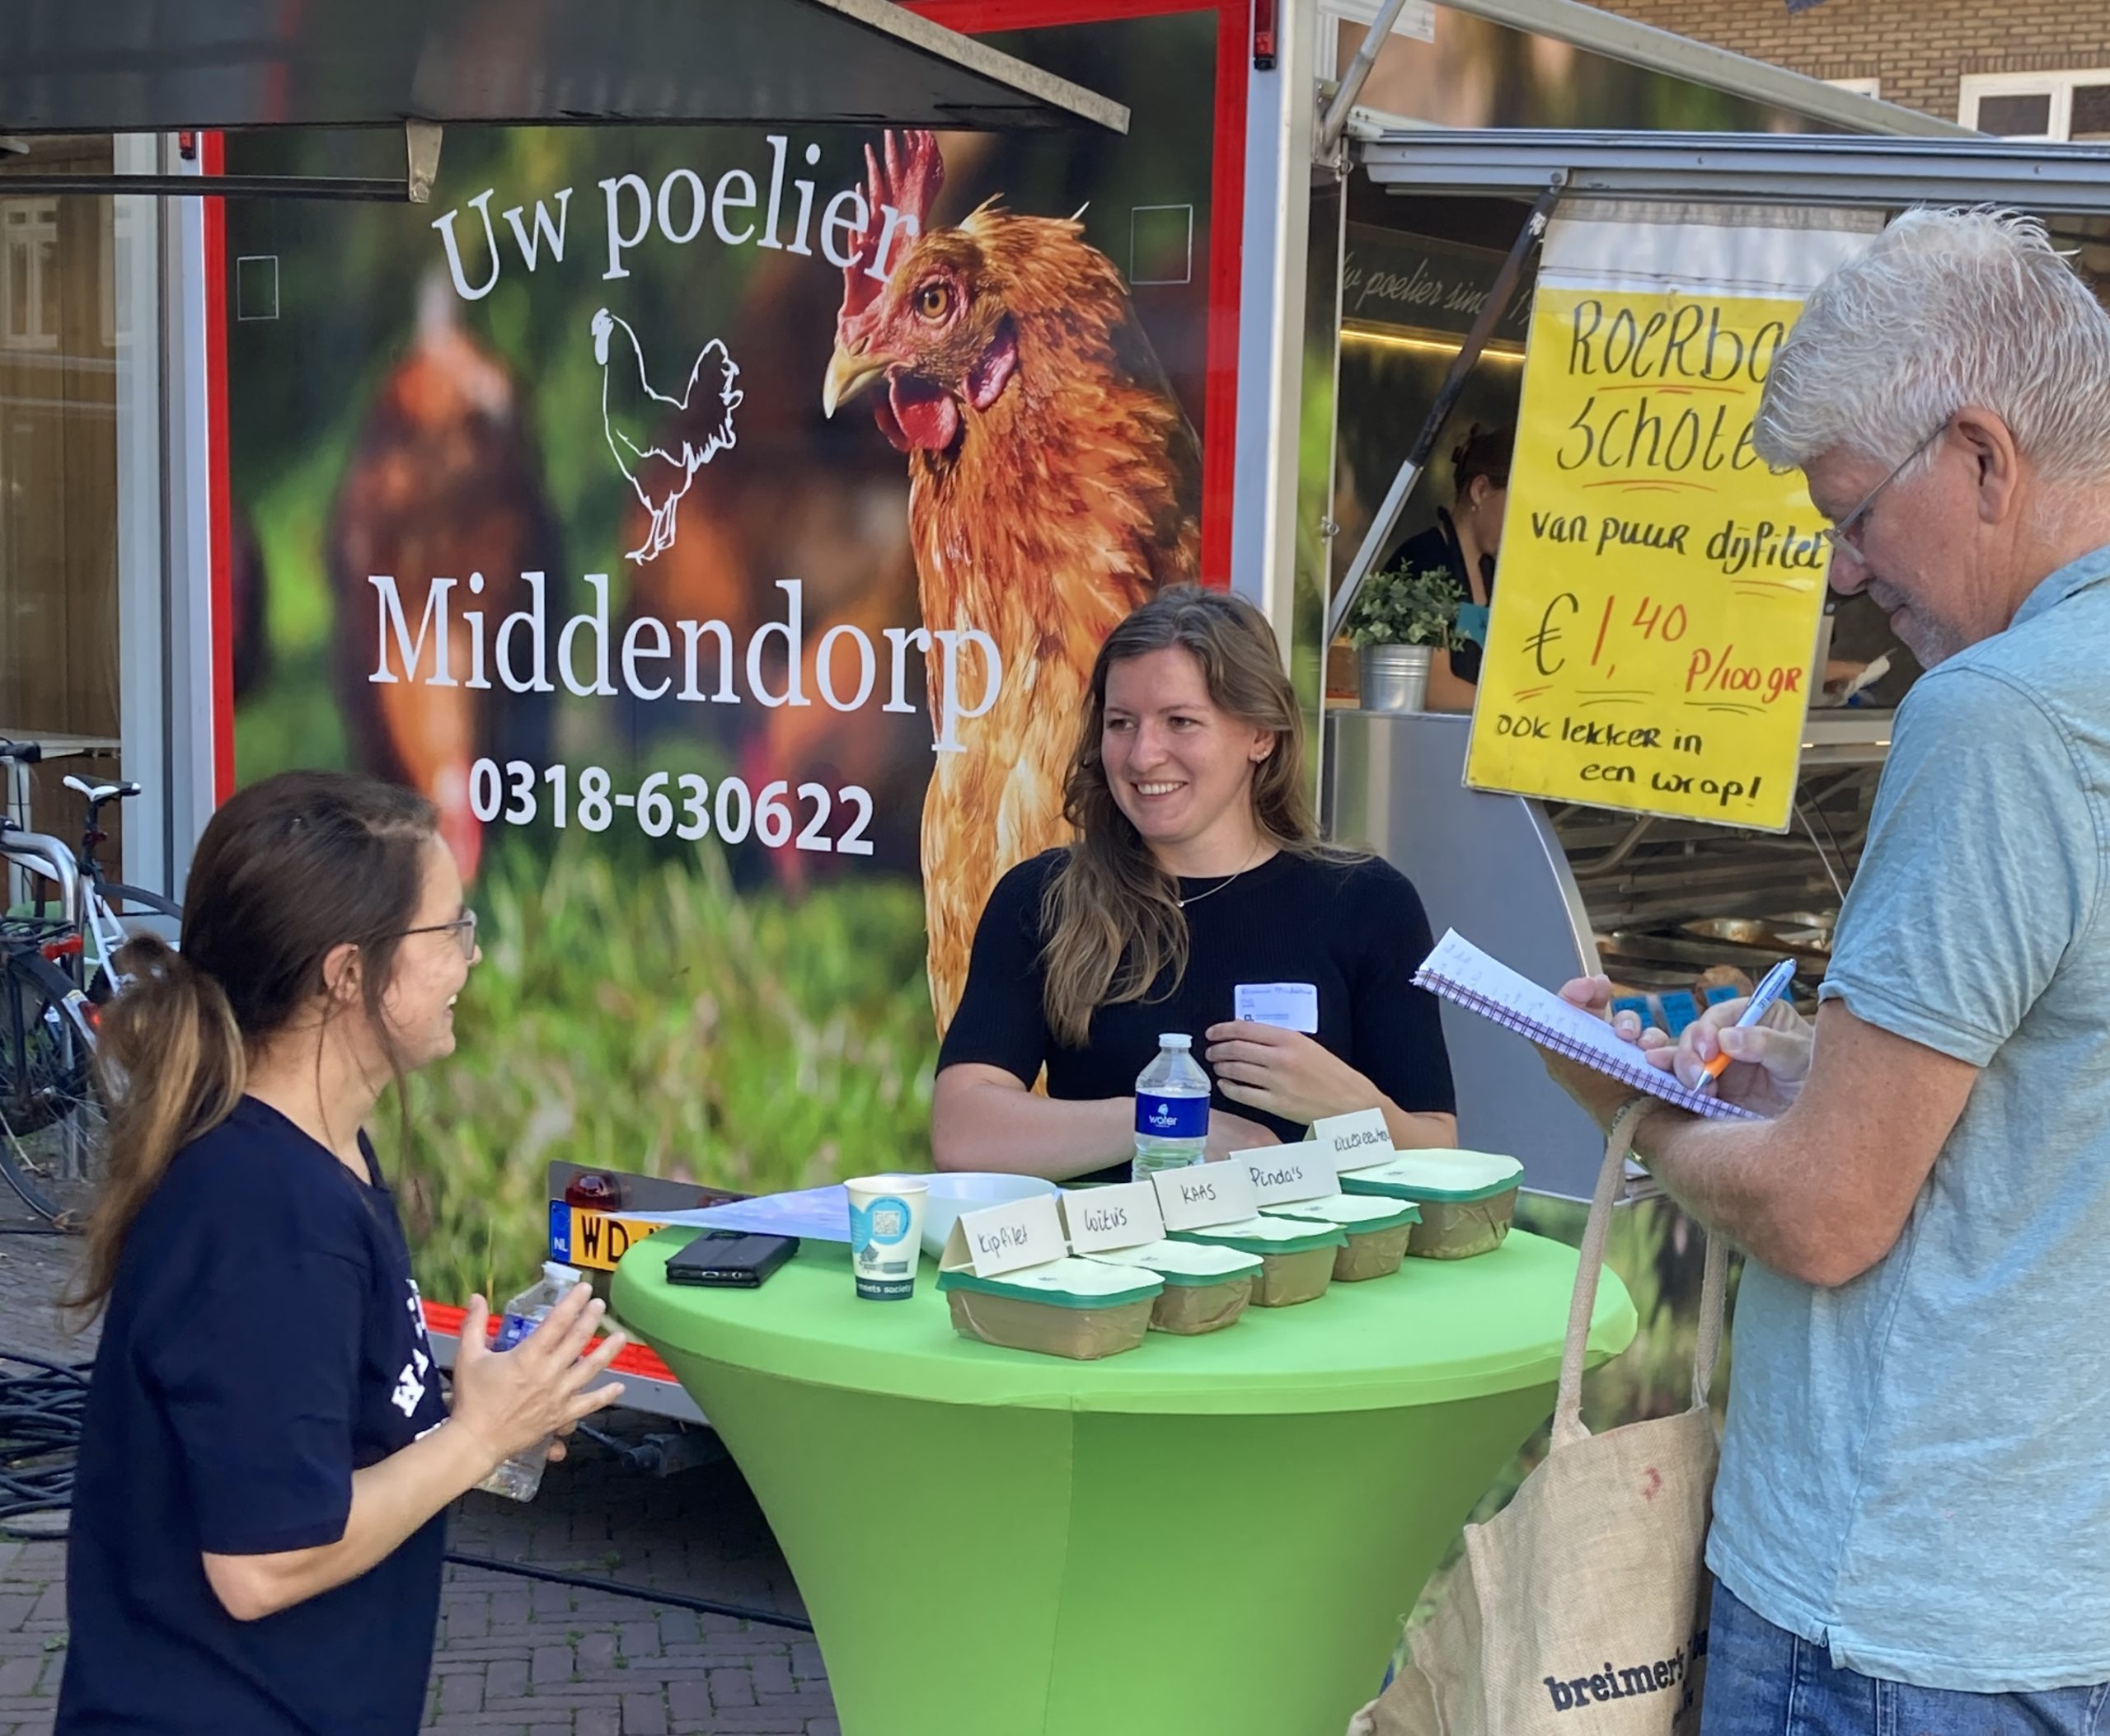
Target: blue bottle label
[512, 1328]
[1171, 1118]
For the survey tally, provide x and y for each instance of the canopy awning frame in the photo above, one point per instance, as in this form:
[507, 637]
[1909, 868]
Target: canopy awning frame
[192, 79]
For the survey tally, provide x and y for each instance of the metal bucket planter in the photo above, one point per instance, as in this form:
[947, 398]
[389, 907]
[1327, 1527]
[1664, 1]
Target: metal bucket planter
[1394, 677]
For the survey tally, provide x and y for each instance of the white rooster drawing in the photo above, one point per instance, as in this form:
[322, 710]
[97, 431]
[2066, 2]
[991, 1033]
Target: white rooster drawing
[660, 474]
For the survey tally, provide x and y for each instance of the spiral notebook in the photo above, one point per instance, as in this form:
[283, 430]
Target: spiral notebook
[1461, 972]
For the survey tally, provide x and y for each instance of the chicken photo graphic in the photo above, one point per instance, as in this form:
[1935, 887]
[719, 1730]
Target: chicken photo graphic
[631, 410]
[444, 482]
[1054, 481]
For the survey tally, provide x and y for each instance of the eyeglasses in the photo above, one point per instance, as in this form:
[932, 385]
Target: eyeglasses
[1845, 536]
[463, 928]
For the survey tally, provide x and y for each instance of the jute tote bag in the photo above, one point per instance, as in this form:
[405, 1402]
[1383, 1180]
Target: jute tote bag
[1579, 1609]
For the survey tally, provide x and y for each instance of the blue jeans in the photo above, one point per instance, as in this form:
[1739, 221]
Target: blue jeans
[1763, 1681]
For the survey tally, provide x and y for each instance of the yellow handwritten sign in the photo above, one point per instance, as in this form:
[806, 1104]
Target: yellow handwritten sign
[1650, 641]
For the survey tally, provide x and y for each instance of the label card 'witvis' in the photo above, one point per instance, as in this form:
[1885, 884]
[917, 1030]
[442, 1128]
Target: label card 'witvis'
[1102, 1219]
[1003, 1238]
[1284, 1174]
[1358, 1142]
[1204, 1193]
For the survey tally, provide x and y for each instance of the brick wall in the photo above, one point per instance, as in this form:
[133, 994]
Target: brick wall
[1920, 48]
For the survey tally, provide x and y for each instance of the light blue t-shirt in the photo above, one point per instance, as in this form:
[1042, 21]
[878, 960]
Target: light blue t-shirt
[1916, 1468]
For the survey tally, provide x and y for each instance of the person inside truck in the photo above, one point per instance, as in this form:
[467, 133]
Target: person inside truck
[1196, 897]
[266, 1455]
[1464, 542]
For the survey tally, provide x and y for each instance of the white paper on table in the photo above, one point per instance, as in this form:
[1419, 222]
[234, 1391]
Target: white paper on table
[814, 1214]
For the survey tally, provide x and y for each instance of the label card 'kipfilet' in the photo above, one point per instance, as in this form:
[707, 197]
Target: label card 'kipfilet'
[1004, 1238]
[1102, 1219]
[1285, 1173]
[1357, 1141]
[1205, 1193]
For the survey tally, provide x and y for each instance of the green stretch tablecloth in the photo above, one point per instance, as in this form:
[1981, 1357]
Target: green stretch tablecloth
[1206, 1536]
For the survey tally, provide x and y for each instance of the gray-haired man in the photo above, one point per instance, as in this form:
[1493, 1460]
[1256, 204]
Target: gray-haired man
[1912, 1525]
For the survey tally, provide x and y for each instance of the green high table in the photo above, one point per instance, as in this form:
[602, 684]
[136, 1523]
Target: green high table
[1205, 1536]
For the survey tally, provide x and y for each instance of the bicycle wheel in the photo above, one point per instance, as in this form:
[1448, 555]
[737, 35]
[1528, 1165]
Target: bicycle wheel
[53, 1121]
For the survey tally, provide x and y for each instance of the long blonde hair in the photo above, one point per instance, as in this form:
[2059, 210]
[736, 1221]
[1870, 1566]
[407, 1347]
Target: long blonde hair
[1110, 921]
[288, 869]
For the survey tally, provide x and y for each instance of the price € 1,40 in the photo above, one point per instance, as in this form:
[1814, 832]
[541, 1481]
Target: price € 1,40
[1710, 671]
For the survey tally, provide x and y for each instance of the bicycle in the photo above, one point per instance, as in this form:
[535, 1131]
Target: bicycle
[56, 972]
[53, 1117]
[96, 917]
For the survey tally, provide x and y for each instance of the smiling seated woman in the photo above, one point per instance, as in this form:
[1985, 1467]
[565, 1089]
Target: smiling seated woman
[1197, 869]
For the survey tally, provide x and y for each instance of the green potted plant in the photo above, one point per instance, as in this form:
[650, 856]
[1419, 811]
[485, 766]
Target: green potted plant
[1399, 617]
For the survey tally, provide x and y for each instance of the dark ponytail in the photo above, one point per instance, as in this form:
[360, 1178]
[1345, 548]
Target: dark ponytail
[171, 1061]
[288, 869]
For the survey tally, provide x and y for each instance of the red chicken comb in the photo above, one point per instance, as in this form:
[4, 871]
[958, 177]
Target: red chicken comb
[908, 178]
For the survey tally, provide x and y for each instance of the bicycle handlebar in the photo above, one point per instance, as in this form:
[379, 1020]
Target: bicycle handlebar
[22, 752]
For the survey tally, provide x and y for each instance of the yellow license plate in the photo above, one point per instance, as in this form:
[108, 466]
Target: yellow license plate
[593, 1240]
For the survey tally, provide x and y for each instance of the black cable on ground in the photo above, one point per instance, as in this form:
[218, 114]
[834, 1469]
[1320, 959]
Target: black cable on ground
[676, 1600]
[40, 1431]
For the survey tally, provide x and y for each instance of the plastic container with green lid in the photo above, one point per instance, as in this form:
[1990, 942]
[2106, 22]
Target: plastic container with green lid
[1377, 1231]
[1083, 1309]
[1467, 1199]
[1206, 1289]
[1296, 1255]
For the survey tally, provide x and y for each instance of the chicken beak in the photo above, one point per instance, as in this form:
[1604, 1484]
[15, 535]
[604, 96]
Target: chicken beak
[849, 372]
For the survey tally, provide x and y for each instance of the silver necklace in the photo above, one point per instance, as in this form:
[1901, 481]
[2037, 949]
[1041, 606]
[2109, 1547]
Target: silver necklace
[1183, 903]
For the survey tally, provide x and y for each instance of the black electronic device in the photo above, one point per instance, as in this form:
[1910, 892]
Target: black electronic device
[730, 1258]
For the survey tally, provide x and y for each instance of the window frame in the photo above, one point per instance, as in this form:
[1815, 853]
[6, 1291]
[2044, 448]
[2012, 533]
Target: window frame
[2059, 86]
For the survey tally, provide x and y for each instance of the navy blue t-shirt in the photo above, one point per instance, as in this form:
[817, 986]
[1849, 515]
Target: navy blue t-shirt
[264, 1340]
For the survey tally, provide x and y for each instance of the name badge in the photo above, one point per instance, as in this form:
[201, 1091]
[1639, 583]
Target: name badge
[1205, 1193]
[1284, 1174]
[1358, 1142]
[1102, 1219]
[1286, 1005]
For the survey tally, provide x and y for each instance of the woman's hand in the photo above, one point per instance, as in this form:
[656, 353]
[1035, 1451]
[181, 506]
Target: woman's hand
[1285, 1073]
[510, 1401]
[1229, 1132]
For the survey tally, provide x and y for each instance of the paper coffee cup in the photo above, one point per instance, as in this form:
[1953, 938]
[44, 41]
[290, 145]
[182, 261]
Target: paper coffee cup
[886, 1234]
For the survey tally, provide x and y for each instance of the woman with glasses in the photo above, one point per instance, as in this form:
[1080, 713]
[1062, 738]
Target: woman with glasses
[266, 1454]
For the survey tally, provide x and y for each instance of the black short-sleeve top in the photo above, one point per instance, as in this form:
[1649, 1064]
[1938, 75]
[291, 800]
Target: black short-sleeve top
[1354, 931]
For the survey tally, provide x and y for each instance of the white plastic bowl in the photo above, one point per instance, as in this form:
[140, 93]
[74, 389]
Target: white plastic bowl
[969, 1191]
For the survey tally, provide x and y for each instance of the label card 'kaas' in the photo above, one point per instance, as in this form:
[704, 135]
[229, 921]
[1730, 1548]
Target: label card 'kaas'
[1102, 1219]
[1284, 1174]
[1358, 1142]
[1204, 1193]
[1003, 1238]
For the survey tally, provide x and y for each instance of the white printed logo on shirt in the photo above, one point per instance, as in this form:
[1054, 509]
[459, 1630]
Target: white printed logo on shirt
[409, 1390]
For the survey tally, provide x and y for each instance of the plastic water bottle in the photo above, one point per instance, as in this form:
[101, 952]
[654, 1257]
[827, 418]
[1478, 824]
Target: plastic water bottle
[521, 1476]
[1172, 1110]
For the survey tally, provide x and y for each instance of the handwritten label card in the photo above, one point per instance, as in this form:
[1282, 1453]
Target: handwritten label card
[1284, 1174]
[1355, 1141]
[1102, 1219]
[1003, 1238]
[1205, 1193]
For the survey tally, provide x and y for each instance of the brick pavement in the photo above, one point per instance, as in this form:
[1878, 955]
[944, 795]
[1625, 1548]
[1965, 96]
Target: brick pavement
[514, 1657]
